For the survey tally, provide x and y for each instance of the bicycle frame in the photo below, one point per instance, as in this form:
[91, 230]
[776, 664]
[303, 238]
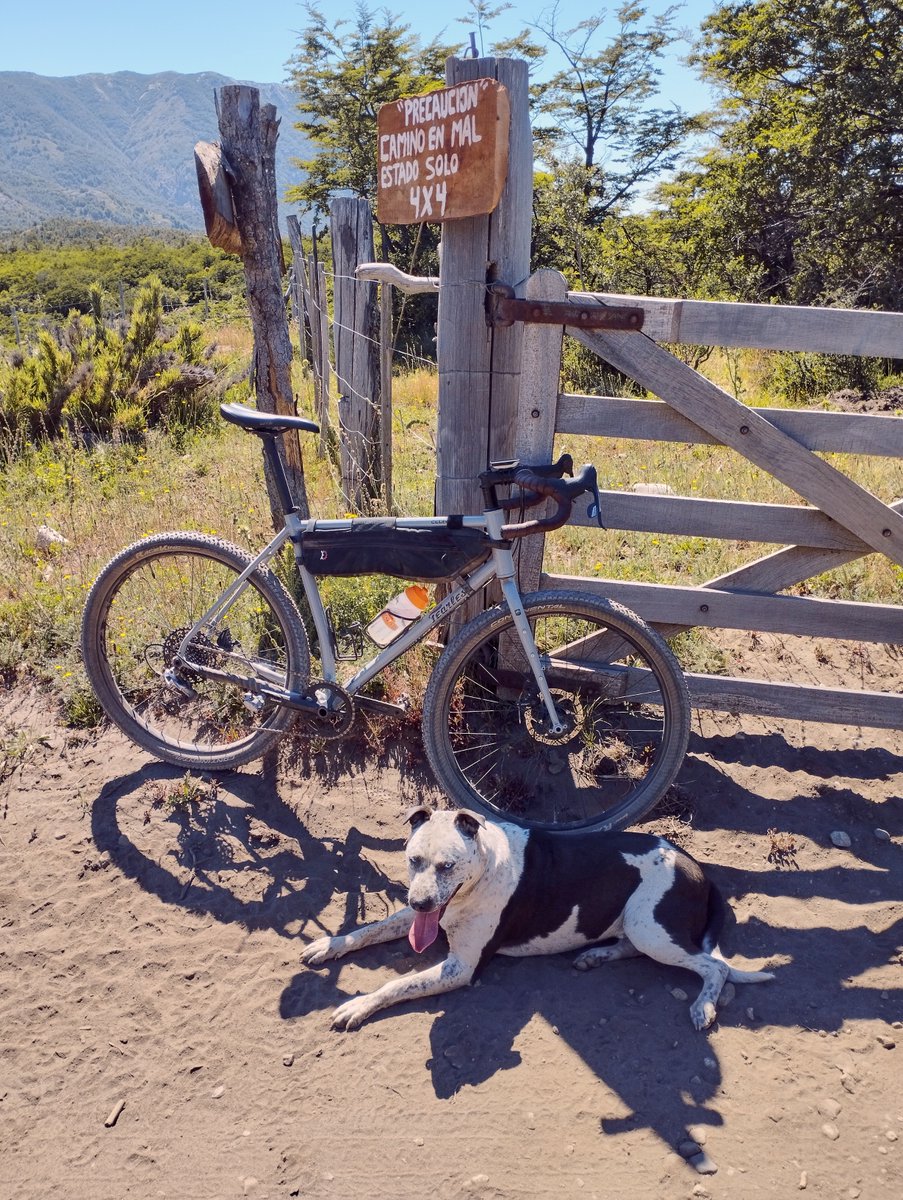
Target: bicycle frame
[500, 566]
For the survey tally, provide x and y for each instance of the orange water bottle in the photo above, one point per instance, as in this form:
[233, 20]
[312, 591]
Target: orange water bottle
[401, 611]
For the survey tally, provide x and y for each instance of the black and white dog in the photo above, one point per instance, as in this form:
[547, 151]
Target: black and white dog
[501, 889]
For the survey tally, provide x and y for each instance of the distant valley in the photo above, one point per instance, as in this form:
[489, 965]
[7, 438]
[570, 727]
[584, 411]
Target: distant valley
[117, 147]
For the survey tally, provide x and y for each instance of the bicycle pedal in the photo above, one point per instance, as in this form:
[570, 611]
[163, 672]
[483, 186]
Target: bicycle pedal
[252, 702]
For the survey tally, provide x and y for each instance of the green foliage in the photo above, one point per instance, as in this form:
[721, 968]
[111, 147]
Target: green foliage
[803, 189]
[594, 120]
[82, 268]
[86, 378]
[342, 72]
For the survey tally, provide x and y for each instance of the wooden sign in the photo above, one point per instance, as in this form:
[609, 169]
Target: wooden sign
[443, 155]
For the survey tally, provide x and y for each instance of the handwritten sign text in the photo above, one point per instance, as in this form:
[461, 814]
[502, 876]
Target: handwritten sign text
[443, 155]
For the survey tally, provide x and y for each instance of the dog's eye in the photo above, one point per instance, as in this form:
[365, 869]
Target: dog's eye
[416, 864]
[445, 866]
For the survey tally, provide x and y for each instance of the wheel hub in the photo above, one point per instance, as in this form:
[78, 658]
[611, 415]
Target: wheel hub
[571, 714]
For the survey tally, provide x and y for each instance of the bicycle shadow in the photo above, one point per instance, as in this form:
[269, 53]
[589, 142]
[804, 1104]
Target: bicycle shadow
[247, 856]
[241, 854]
[622, 1021]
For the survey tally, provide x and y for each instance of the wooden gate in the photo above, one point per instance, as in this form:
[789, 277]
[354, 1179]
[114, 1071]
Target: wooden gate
[840, 522]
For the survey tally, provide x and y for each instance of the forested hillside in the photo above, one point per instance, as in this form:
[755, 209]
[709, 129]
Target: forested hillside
[115, 147]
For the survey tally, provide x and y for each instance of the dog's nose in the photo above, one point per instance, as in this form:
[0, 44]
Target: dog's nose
[423, 905]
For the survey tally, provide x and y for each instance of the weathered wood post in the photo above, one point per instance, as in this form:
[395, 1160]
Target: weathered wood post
[356, 358]
[479, 367]
[299, 289]
[246, 169]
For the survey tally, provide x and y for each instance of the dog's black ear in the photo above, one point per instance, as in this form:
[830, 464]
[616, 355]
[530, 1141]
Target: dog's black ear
[417, 816]
[469, 823]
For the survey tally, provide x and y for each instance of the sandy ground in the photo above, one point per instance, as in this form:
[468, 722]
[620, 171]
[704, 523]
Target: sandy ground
[159, 1037]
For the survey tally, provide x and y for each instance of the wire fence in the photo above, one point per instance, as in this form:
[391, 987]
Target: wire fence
[411, 410]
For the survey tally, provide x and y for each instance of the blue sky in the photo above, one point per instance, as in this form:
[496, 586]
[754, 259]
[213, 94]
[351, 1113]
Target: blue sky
[252, 41]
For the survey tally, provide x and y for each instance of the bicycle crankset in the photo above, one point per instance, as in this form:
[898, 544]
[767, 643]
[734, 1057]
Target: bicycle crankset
[334, 714]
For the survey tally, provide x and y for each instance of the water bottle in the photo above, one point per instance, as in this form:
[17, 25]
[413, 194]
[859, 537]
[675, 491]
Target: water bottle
[398, 614]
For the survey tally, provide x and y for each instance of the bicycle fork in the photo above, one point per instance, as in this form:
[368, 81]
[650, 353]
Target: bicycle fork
[505, 572]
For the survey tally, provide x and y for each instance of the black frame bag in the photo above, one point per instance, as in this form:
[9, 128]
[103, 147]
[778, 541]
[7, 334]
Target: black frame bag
[382, 548]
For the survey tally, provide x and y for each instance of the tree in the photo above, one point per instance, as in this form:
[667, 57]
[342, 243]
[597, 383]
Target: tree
[595, 117]
[342, 72]
[804, 191]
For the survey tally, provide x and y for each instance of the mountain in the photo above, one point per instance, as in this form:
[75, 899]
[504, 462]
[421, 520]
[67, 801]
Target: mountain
[117, 147]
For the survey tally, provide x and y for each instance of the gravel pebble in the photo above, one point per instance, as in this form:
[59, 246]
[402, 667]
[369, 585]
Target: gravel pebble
[882, 835]
[688, 1148]
[702, 1164]
[887, 1042]
[829, 1108]
[679, 994]
[217, 1092]
[830, 1130]
[841, 839]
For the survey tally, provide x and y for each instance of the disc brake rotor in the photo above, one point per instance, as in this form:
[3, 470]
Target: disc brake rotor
[570, 712]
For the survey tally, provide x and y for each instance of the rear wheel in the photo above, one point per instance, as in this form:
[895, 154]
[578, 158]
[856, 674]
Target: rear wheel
[617, 686]
[136, 617]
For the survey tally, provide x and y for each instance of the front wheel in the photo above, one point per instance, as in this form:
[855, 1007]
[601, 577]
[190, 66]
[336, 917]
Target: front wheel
[616, 685]
[137, 616]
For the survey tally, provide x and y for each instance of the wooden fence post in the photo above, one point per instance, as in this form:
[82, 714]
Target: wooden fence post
[321, 302]
[248, 133]
[356, 359]
[300, 308]
[538, 406]
[479, 367]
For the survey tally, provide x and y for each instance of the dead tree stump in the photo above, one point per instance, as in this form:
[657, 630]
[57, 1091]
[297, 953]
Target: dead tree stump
[248, 133]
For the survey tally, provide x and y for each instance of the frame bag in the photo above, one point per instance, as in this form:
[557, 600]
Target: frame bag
[382, 548]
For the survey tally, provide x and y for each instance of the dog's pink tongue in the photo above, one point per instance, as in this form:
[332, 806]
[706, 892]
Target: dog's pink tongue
[425, 930]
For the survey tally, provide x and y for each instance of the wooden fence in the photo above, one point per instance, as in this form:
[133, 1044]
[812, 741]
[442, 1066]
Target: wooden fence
[840, 522]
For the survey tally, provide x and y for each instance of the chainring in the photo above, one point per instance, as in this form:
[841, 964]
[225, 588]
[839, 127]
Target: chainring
[336, 711]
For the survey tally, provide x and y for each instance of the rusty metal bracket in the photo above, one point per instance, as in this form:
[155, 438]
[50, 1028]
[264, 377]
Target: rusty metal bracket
[503, 308]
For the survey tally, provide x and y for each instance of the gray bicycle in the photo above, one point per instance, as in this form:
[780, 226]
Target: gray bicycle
[557, 709]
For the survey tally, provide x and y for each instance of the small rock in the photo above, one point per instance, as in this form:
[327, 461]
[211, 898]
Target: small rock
[698, 1133]
[829, 1108]
[830, 1130]
[45, 537]
[751, 1014]
[804, 1181]
[882, 835]
[679, 994]
[288, 1059]
[841, 839]
[890, 1134]
[218, 1092]
[418, 1141]
[854, 1193]
[687, 1148]
[887, 1042]
[652, 489]
[711, 1063]
[728, 992]
[699, 1190]
[702, 1164]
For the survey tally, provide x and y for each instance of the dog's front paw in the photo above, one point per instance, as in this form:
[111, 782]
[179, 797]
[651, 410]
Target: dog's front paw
[703, 1014]
[353, 1013]
[318, 952]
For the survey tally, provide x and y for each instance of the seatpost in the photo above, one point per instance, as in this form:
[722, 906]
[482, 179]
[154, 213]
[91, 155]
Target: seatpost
[277, 470]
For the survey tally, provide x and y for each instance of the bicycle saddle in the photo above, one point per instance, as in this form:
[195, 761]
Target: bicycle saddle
[261, 422]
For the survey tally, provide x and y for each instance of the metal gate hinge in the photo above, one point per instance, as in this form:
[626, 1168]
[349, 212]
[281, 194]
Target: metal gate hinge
[503, 308]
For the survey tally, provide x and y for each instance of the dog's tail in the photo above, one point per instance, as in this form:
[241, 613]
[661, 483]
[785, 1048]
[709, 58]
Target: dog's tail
[717, 910]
